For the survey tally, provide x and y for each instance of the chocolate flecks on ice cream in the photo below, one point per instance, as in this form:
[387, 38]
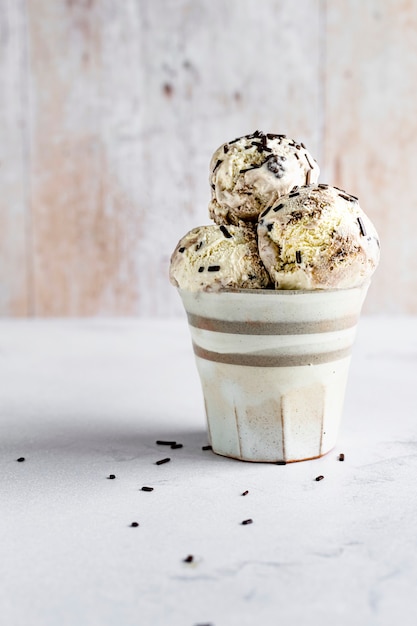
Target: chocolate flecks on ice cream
[210, 258]
[254, 171]
[317, 238]
[275, 226]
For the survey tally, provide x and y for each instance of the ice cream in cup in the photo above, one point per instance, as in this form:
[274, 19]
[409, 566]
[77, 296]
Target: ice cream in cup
[273, 304]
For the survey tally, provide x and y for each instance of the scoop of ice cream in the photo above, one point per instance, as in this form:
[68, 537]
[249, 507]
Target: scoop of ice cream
[254, 171]
[317, 237]
[210, 258]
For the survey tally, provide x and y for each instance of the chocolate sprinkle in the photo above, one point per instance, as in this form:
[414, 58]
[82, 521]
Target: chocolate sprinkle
[265, 212]
[245, 493]
[269, 227]
[147, 489]
[277, 208]
[361, 226]
[345, 197]
[323, 186]
[201, 269]
[134, 524]
[213, 268]
[181, 249]
[296, 156]
[226, 149]
[225, 232]
[303, 146]
[281, 463]
[308, 160]
[341, 457]
[298, 256]
[21, 459]
[161, 442]
[217, 165]
[247, 521]
[111, 476]
[248, 169]
[176, 446]
[207, 448]
[319, 478]
[189, 559]
[293, 195]
[162, 461]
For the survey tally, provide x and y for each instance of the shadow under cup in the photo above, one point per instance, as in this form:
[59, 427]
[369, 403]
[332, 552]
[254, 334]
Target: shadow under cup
[273, 367]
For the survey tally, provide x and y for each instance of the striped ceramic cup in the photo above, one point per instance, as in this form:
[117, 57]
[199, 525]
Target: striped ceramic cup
[273, 366]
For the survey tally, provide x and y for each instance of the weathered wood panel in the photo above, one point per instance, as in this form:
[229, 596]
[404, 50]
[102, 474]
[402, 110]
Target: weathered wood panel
[86, 217]
[14, 148]
[371, 130]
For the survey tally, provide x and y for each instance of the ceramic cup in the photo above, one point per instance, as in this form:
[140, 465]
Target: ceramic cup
[273, 367]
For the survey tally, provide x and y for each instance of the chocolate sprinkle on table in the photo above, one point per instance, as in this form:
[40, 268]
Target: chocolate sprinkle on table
[111, 476]
[341, 457]
[245, 493]
[298, 256]
[247, 521]
[161, 442]
[176, 446]
[21, 459]
[147, 489]
[189, 559]
[207, 448]
[134, 524]
[213, 268]
[162, 461]
[361, 226]
[225, 232]
[319, 478]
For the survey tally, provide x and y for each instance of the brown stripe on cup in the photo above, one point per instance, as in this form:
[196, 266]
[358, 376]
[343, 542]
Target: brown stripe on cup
[271, 328]
[271, 360]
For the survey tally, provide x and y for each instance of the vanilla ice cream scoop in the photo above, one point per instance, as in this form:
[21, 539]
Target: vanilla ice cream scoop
[317, 237]
[253, 172]
[211, 258]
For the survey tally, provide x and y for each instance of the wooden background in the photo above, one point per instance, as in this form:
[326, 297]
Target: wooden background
[110, 111]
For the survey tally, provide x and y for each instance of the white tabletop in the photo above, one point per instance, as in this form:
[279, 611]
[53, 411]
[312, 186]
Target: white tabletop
[81, 400]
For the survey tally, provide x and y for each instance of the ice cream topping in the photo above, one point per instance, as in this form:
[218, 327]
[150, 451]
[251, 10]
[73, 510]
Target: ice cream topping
[275, 227]
[250, 172]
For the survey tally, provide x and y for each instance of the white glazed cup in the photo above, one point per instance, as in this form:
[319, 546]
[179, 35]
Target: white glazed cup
[273, 367]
